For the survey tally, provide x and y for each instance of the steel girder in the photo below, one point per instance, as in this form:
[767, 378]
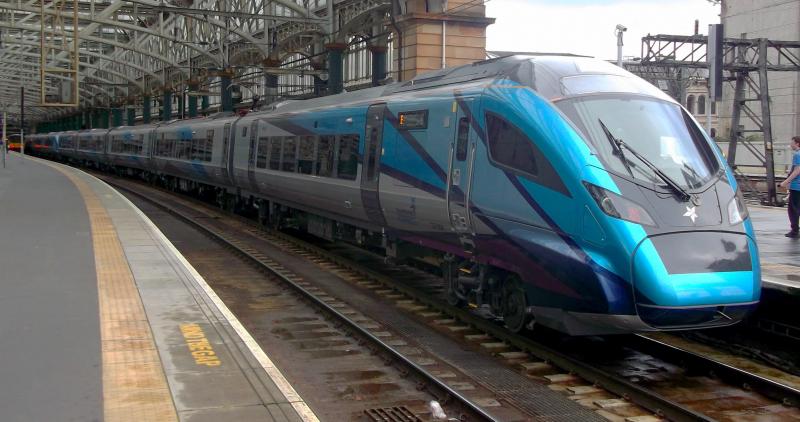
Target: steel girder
[147, 43]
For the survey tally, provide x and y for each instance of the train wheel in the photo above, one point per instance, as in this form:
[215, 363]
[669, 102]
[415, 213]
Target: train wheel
[515, 315]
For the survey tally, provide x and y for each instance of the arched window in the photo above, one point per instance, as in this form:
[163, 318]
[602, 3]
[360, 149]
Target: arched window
[714, 108]
[701, 105]
[690, 104]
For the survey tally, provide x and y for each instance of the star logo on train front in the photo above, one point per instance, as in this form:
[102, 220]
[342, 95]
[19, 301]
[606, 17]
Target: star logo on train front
[690, 212]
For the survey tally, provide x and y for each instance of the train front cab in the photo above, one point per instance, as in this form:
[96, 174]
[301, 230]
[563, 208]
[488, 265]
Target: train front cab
[667, 196]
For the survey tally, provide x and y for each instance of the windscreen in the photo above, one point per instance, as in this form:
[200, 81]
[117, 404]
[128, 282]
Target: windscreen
[658, 130]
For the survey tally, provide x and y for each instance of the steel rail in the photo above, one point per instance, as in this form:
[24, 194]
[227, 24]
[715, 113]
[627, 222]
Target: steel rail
[785, 394]
[448, 392]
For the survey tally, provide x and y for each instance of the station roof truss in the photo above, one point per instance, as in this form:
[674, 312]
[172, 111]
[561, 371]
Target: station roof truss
[134, 48]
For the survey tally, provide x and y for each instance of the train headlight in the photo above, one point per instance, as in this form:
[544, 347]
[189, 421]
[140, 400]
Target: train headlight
[619, 207]
[737, 210]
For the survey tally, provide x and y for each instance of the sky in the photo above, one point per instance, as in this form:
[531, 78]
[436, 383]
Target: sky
[587, 26]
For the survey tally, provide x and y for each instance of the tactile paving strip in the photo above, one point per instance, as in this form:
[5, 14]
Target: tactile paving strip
[134, 385]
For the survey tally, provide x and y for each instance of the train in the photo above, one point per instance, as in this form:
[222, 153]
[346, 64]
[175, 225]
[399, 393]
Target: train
[550, 190]
[14, 143]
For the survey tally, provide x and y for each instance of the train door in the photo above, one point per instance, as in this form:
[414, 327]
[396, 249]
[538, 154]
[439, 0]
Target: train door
[459, 179]
[227, 154]
[251, 158]
[370, 170]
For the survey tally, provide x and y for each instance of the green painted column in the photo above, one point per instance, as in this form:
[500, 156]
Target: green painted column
[131, 117]
[166, 106]
[204, 104]
[105, 118]
[87, 120]
[193, 84]
[225, 92]
[95, 118]
[335, 71]
[146, 109]
[192, 111]
[378, 63]
[182, 105]
[117, 114]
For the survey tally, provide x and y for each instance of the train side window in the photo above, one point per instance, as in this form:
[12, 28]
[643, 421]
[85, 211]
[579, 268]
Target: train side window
[325, 152]
[275, 152]
[305, 157]
[261, 154]
[140, 144]
[461, 140]
[289, 157]
[209, 144]
[347, 166]
[509, 147]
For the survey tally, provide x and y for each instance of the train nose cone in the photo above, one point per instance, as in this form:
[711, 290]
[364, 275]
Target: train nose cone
[681, 271]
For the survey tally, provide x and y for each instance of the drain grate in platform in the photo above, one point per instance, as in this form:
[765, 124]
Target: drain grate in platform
[391, 414]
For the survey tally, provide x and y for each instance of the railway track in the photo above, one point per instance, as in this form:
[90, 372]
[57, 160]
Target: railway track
[667, 381]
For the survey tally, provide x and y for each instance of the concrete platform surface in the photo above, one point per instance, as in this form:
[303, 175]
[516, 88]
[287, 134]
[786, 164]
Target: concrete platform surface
[780, 256]
[103, 319]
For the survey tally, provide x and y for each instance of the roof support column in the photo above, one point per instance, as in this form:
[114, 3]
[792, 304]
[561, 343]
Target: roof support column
[105, 118]
[204, 104]
[146, 109]
[117, 114]
[335, 70]
[378, 63]
[270, 80]
[194, 85]
[131, 117]
[166, 105]
[225, 89]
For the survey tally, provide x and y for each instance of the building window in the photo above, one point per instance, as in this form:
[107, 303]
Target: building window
[701, 105]
[690, 104]
[714, 108]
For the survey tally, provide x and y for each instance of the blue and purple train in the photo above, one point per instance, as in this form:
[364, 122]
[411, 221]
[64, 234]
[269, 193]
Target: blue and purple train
[555, 190]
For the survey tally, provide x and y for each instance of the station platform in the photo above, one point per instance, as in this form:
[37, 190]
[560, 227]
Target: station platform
[780, 256]
[101, 318]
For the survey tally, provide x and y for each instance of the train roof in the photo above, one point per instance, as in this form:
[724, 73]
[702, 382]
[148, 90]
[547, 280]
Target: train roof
[553, 76]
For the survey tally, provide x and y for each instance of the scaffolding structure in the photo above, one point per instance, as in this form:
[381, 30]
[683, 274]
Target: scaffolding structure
[746, 63]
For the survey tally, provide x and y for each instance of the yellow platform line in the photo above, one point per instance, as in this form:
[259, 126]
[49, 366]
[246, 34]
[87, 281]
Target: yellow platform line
[134, 385]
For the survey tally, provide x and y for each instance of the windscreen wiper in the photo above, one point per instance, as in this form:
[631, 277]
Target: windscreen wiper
[620, 144]
[615, 145]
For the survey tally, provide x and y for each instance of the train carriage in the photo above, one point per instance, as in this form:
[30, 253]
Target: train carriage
[559, 190]
[129, 147]
[91, 146]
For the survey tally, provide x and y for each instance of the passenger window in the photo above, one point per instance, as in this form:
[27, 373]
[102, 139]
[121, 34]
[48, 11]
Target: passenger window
[347, 166]
[289, 158]
[263, 151]
[508, 146]
[209, 144]
[185, 149]
[305, 157]
[325, 156]
[463, 137]
[275, 153]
